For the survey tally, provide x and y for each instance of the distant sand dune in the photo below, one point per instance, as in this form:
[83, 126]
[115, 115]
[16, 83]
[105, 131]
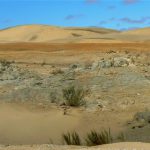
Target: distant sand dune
[52, 34]
[43, 33]
[144, 31]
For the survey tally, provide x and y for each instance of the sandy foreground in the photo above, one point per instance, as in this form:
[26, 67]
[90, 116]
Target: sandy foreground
[116, 146]
[29, 127]
[36, 125]
[25, 126]
[19, 121]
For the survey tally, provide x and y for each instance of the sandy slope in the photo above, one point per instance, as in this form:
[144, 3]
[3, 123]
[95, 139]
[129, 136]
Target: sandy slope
[40, 33]
[116, 146]
[32, 33]
[144, 31]
[45, 123]
[45, 33]
[138, 35]
[27, 124]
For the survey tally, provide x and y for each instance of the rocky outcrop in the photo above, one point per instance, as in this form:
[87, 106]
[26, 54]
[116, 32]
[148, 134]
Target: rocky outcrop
[114, 75]
[113, 62]
[140, 120]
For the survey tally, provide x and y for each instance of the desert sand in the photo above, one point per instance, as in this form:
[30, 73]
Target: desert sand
[43, 33]
[112, 66]
[118, 146]
[52, 34]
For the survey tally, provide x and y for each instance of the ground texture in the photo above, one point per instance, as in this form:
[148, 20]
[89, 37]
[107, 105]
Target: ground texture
[116, 78]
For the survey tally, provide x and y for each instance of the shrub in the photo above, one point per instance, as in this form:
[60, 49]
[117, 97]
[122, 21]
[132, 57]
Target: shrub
[72, 138]
[53, 96]
[76, 35]
[57, 71]
[94, 138]
[74, 96]
[43, 63]
[5, 63]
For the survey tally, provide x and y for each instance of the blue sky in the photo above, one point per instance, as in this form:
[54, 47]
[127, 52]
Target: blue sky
[116, 14]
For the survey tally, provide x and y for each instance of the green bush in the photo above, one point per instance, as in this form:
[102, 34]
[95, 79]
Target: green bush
[94, 138]
[53, 97]
[73, 96]
[5, 63]
[72, 138]
[57, 71]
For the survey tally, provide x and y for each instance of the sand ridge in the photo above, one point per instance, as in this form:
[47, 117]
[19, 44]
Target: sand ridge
[53, 34]
[45, 33]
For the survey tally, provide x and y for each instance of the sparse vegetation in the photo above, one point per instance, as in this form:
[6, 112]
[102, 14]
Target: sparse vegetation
[95, 138]
[57, 71]
[72, 138]
[74, 96]
[88, 65]
[43, 63]
[34, 37]
[53, 97]
[76, 35]
[5, 63]
[92, 139]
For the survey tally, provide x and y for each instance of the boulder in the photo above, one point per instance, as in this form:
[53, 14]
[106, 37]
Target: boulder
[105, 64]
[102, 64]
[140, 116]
[121, 62]
[115, 62]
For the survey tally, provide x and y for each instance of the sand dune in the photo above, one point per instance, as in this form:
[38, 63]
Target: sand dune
[44, 33]
[31, 33]
[144, 31]
[52, 34]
